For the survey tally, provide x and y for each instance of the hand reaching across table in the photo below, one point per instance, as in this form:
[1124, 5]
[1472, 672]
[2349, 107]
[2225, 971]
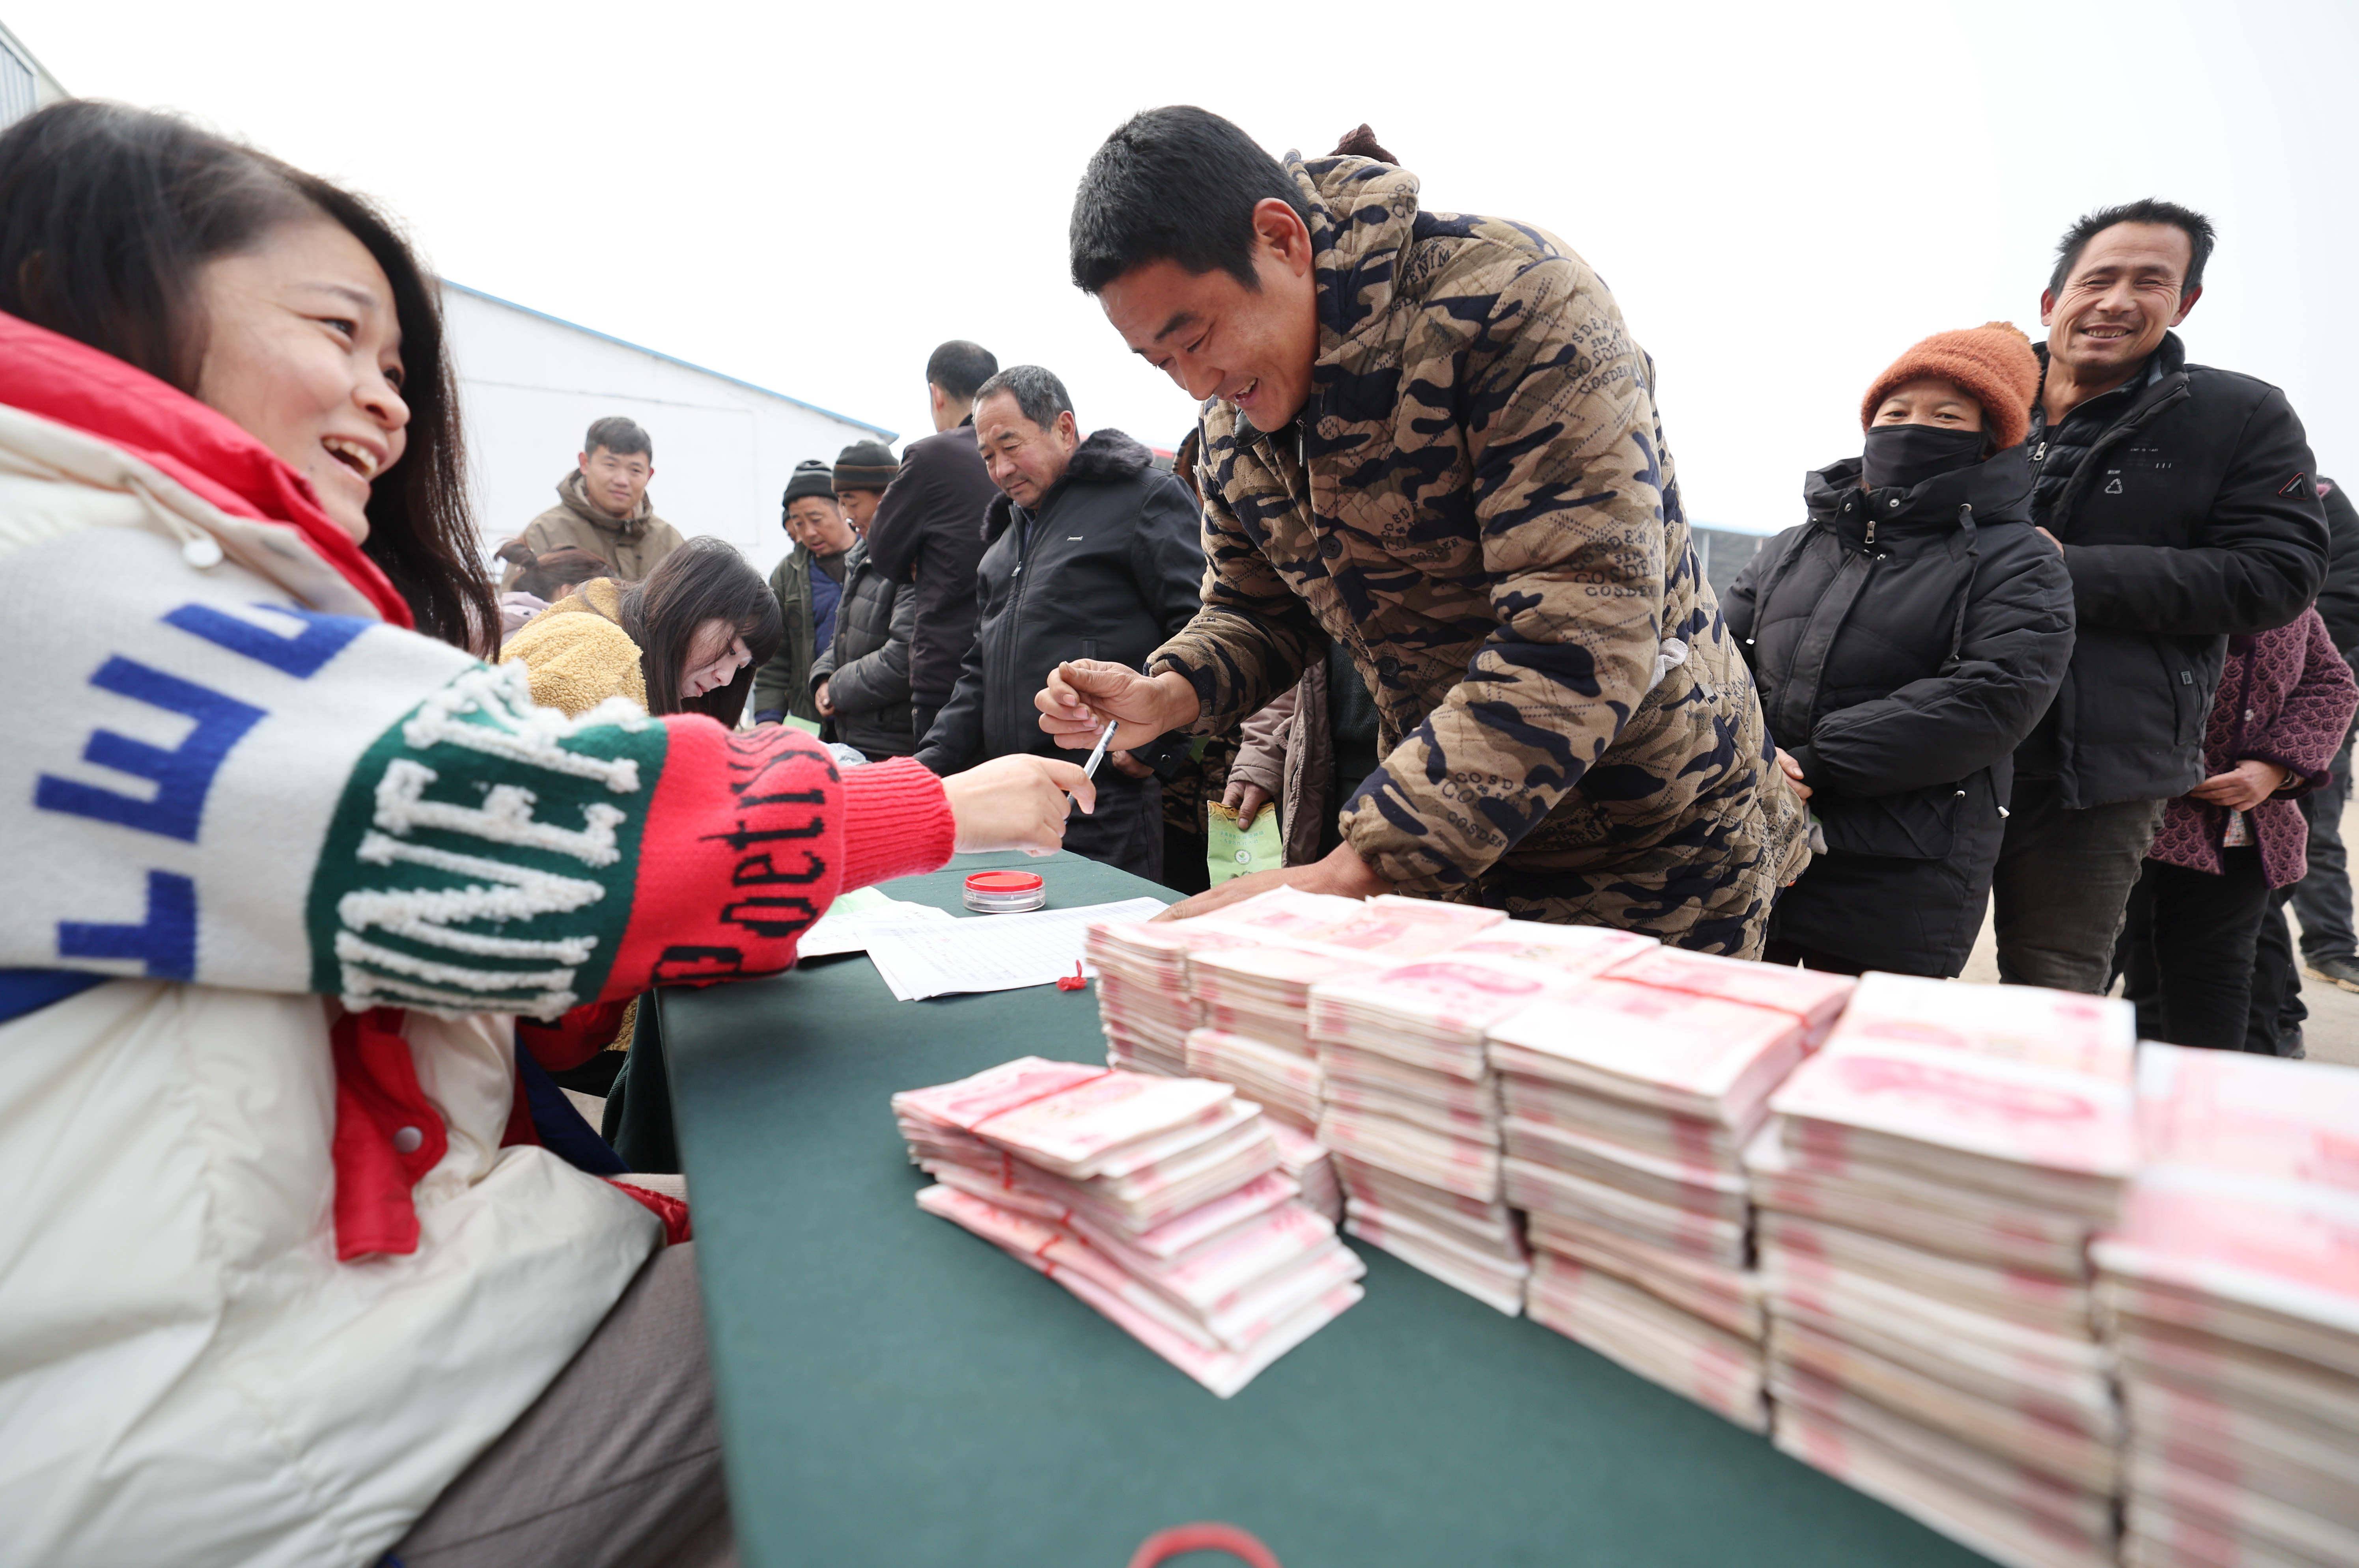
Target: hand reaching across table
[1017, 803]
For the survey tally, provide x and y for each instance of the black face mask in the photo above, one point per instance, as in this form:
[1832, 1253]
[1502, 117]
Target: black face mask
[1900, 457]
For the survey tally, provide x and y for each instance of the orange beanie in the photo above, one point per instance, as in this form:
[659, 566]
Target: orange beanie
[1993, 361]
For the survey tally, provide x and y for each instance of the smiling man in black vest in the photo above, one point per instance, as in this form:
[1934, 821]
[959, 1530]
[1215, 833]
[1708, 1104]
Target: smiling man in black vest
[2182, 498]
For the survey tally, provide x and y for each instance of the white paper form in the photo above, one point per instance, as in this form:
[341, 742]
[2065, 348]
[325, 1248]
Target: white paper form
[855, 918]
[992, 952]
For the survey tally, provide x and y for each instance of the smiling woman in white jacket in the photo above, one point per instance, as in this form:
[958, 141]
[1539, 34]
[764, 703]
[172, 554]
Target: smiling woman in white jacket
[282, 1254]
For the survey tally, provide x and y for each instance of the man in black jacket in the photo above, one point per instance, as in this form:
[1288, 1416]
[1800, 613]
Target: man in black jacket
[1092, 553]
[928, 530]
[2183, 498]
[860, 683]
[2322, 899]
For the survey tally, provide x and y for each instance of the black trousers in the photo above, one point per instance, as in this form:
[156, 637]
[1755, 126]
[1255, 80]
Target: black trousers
[1126, 829]
[2277, 1008]
[1793, 954]
[2187, 949]
[2062, 878]
[2322, 897]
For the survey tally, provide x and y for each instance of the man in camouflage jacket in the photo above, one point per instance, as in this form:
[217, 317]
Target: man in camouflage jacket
[1473, 497]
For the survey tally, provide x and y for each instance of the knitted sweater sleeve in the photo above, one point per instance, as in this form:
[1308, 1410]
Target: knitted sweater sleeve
[260, 797]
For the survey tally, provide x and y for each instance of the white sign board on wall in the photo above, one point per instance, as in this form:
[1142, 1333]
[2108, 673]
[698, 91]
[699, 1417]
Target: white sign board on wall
[529, 385]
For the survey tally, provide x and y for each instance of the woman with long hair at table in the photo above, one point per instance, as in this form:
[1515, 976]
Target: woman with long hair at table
[290, 1276]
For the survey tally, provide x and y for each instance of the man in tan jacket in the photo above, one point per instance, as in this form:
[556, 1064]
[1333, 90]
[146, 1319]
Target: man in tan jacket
[603, 506]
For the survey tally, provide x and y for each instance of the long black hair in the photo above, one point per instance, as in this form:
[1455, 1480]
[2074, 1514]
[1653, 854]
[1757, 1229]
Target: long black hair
[705, 579]
[106, 215]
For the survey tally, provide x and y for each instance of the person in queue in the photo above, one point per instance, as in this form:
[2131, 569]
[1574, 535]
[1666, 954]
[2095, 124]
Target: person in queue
[1429, 437]
[687, 640]
[541, 578]
[808, 584]
[927, 527]
[602, 506]
[2322, 899]
[1904, 640]
[1090, 553]
[286, 1264]
[2188, 946]
[860, 682]
[2183, 498]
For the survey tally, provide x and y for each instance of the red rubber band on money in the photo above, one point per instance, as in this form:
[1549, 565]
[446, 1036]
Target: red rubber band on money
[1207, 1535]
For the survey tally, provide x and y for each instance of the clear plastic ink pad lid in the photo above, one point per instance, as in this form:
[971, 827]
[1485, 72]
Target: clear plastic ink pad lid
[1006, 892]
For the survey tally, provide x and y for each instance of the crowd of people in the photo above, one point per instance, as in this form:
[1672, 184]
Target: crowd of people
[341, 859]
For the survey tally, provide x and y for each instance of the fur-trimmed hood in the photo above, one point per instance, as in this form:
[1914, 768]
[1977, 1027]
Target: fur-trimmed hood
[1104, 457]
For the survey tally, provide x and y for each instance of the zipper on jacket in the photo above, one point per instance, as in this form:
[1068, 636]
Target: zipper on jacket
[1007, 660]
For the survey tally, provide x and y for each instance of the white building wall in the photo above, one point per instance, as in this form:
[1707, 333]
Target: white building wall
[529, 385]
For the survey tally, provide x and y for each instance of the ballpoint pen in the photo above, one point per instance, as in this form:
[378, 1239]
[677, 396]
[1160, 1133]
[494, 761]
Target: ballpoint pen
[1097, 755]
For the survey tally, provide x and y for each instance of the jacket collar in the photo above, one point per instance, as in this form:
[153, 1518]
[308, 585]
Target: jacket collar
[1104, 457]
[68, 382]
[1996, 490]
[576, 500]
[2169, 359]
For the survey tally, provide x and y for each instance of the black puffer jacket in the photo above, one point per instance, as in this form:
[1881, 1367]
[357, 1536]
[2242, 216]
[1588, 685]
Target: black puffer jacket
[2337, 601]
[2191, 516]
[1904, 642]
[927, 532]
[868, 668]
[1115, 565]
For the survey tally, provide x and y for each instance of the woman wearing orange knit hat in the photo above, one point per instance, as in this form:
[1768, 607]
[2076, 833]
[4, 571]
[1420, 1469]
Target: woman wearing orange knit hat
[1904, 639]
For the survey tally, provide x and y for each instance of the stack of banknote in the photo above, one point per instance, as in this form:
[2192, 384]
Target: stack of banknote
[1412, 1109]
[2231, 1290]
[1285, 1083]
[1161, 1201]
[1813, 998]
[1928, 1180]
[1147, 993]
[1305, 1160]
[1626, 1110]
[1263, 991]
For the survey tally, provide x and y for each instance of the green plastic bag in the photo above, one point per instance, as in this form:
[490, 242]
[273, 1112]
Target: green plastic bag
[1233, 852]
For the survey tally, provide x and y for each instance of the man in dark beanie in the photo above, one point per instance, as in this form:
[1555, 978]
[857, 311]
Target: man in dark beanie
[808, 582]
[860, 682]
[928, 530]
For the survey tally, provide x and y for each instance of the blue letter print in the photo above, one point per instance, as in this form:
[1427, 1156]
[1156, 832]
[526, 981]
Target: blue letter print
[318, 639]
[165, 943]
[182, 775]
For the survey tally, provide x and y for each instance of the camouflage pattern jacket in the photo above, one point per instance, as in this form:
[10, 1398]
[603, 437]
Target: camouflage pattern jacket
[1476, 502]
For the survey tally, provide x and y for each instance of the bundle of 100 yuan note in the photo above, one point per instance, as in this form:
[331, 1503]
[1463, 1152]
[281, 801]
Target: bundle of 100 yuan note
[1410, 1102]
[1928, 1180]
[1146, 994]
[2231, 1285]
[1626, 1110]
[1161, 1201]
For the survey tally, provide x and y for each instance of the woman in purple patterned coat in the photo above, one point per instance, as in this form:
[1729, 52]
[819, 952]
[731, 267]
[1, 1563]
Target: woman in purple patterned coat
[2285, 703]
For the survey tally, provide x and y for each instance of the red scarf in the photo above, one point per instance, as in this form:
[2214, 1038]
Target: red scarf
[388, 1134]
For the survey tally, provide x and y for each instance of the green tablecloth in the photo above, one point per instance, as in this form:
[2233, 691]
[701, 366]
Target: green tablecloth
[895, 1392]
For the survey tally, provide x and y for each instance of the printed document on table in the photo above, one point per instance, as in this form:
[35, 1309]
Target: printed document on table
[992, 952]
[855, 918]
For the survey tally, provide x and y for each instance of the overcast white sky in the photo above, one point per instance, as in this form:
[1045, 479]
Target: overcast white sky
[1782, 197]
